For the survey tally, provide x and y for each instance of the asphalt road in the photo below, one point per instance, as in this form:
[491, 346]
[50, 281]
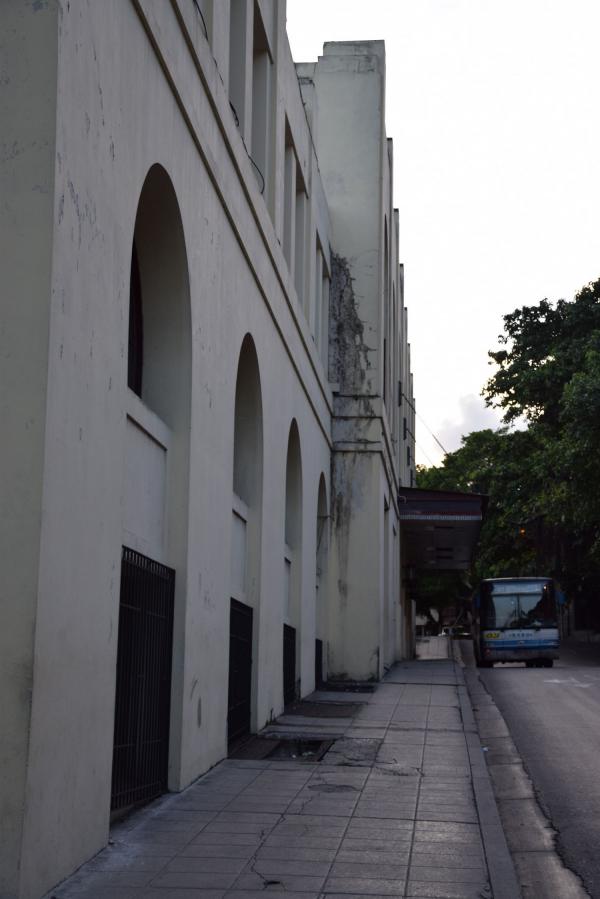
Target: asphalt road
[553, 715]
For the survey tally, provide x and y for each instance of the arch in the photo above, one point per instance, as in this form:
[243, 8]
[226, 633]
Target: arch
[156, 490]
[159, 344]
[247, 481]
[293, 489]
[248, 428]
[394, 368]
[385, 325]
[321, 593]
[292, 565]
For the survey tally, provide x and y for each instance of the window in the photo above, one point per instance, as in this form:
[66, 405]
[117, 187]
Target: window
[318, 323]
[300, 237]
[289, 199]
[261, 104]
[237, 61]
[325, 319]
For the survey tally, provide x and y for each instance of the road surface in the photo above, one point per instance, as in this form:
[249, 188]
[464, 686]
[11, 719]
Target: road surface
[553, 715]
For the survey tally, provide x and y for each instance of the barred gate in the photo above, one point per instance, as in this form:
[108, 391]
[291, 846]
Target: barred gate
[318, 663]
[143, 692]
[240, 670]
[289, 664]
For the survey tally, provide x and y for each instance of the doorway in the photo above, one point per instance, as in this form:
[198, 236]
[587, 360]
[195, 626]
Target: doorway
[143, 689]
[240, 671]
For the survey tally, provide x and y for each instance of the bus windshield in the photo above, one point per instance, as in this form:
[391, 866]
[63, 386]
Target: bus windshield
[516, 609]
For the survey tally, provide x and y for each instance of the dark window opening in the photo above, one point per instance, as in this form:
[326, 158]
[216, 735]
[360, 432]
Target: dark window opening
[135, 352]
[384, 370]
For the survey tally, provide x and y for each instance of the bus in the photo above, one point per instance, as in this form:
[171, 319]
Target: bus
[515, 620]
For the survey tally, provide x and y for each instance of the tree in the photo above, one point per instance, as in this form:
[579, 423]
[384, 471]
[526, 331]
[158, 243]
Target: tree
[545, 346]
[491, 463]
[544, 505]
[549, 374]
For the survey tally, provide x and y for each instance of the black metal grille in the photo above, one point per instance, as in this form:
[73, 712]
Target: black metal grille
[289, 664]
[240, 670]
[143, 693]
[318, 663]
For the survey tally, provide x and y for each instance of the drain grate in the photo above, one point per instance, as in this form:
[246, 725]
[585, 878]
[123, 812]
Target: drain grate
[348, 686]
[323, 709]
[300, 750]
[292, 748]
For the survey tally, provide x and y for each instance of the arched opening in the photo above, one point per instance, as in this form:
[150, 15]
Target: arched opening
[245, 544]
[159, 343]
[292, 566]
[395, 374]
[387, 641]
[322, 553]
[385, 324]
[148, 700]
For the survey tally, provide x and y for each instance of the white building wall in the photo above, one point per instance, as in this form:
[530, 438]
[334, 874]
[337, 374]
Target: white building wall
[91, 468]
[27, 113]
[355, 161]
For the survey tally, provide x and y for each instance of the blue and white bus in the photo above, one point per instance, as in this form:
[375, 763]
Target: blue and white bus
[515, 620]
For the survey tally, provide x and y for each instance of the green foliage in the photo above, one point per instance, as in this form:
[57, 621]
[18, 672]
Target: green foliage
[545, 346]
[491, 463]
[544, 504]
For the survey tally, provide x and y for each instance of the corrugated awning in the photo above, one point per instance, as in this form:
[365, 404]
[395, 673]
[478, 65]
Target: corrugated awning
[440, 528]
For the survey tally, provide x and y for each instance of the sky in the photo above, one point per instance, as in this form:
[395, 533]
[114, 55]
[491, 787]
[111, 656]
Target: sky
[494, 108]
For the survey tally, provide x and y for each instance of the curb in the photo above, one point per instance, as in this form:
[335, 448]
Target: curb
[503, 877]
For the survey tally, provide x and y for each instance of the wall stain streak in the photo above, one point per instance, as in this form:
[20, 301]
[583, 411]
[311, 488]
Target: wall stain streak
[348, 352]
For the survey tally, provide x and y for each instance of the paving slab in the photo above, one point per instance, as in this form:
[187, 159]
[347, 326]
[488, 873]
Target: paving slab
[400, 806]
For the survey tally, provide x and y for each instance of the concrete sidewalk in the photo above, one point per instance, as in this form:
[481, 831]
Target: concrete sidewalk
[401, 805]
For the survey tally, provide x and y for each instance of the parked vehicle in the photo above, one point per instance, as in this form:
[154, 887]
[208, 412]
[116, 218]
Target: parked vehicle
[515, 620]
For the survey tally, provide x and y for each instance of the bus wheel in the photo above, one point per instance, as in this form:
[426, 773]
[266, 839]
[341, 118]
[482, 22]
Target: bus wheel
[549, 663]
[529, 664]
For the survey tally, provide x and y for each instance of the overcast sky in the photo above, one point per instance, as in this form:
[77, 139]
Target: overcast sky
[494, 108]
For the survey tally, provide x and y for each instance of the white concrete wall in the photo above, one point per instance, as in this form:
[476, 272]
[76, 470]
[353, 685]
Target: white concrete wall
[110, 132]
[91, 467]
[345, 91]
[28, 48]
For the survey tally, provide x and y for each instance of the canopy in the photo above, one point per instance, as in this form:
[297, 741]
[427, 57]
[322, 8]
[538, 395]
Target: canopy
[440, 528]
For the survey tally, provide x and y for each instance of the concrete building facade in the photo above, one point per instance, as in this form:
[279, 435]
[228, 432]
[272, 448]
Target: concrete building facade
[206, 395]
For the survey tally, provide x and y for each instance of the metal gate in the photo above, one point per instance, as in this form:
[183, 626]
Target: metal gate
[289, 664]
[240, 670]
[318, 663]
[143, 692]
